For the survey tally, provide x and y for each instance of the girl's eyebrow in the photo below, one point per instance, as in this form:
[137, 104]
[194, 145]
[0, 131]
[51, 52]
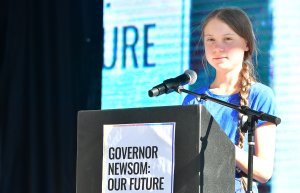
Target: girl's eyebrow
[230, 34]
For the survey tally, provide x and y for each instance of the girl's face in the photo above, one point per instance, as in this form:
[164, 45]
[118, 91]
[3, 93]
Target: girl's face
[224, 49]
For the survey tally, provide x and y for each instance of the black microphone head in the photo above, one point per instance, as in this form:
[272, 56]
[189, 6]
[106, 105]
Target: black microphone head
[192, 76]
[172, 84]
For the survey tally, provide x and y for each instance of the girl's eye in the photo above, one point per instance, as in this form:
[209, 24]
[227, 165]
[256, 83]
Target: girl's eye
[228, 39]
[210, 39]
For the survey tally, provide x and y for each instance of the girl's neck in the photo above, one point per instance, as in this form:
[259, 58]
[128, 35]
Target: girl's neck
[225, 84]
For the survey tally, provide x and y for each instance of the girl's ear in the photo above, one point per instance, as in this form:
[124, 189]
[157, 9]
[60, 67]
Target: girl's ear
[246, 47]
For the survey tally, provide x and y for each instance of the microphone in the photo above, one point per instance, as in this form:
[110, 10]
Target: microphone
[169, 85]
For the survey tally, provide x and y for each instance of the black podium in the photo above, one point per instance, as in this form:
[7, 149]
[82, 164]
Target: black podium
[204, 156]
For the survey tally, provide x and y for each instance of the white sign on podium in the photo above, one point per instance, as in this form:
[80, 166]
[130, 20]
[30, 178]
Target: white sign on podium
[138, 158]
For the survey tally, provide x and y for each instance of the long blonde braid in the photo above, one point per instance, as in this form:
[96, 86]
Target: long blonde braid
[246, 78]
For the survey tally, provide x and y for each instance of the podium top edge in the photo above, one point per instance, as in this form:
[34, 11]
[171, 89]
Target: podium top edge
[134, 108]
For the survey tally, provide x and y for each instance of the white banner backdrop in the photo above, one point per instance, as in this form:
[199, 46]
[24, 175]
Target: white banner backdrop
[138, 157]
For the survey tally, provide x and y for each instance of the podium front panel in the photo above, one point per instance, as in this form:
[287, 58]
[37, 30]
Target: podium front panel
[204, 156]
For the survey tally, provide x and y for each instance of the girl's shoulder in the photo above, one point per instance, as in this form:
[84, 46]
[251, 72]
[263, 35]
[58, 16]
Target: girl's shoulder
[262, 98]
[260, 90]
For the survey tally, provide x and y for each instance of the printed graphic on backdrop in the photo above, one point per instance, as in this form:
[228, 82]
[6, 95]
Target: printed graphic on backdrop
[145, 42]
[138, 158]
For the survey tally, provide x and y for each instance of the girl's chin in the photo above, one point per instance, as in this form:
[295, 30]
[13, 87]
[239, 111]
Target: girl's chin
[223, 67]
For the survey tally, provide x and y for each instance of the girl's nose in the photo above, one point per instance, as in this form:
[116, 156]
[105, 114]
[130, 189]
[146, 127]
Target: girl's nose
[218, 46]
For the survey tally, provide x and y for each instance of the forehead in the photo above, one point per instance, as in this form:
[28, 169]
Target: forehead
[217, 27]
